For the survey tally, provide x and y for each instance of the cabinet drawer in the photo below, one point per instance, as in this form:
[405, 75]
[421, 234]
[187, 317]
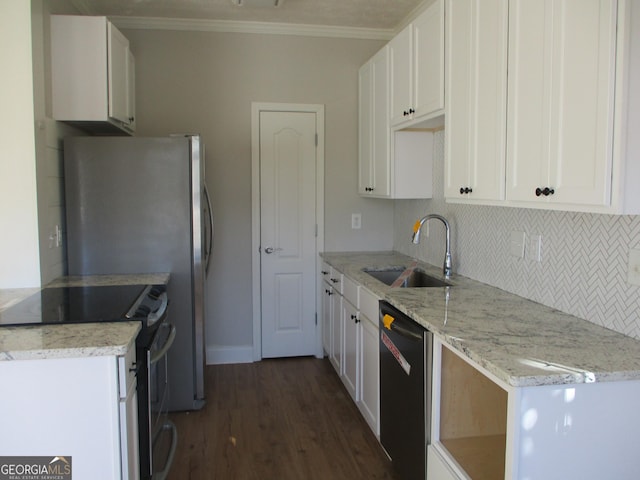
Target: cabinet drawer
[350, 292]
[369, 305]
[325, 271]
[336, 279]
[127, 372]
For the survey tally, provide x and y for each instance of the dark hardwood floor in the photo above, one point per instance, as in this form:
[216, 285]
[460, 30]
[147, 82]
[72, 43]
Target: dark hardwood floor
[282, 419]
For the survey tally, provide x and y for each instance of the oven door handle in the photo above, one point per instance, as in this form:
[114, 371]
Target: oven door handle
[167, 345]
[168, 425]
[153, 317]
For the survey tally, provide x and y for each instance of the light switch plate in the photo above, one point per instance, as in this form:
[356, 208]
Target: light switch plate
[517, 244]
[634, 267]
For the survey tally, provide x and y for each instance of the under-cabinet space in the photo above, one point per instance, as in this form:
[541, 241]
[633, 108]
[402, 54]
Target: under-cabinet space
[473, 418]
[470, 418]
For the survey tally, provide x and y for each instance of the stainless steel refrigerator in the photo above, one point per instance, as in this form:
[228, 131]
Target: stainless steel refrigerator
[140, 205]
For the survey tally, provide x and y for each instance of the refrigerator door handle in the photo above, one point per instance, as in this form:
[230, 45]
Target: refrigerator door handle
[209, 241]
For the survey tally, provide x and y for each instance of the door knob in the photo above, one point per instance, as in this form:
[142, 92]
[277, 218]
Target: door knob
[270, 250]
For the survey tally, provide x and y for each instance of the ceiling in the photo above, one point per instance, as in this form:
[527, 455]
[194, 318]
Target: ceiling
[358, 14]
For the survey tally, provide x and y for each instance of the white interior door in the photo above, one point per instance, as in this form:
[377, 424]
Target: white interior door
[288, 232]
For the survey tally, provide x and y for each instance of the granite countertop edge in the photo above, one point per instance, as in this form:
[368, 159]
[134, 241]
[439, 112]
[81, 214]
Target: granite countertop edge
[520, 342]
[77, 340]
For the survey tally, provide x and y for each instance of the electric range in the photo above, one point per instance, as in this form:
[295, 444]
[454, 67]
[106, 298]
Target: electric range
[147, 304]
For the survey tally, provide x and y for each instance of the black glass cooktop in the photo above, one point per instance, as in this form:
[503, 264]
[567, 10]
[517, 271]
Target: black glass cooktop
[73, 305]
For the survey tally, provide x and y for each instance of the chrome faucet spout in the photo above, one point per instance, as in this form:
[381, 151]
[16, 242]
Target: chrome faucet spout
[447, 266]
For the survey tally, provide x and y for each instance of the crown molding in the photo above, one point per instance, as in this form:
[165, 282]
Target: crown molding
[231, 26]
[411, 16]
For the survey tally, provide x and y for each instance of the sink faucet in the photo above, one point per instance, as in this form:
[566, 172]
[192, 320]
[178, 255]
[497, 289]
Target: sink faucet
[446, 269]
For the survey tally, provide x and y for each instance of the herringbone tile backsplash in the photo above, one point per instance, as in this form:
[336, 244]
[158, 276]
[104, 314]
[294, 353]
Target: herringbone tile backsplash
[584, 256]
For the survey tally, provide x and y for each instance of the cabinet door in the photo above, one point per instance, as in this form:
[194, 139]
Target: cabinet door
[369, 372]
[351, 353]
[129, 436]
[337, 333]
[118, 64]
[131, 90]
[381, 131]
[374, 161]
[327, 310]
[400, 59]
[428, 60]
[365, 126]
[561, 99]
[475, 133]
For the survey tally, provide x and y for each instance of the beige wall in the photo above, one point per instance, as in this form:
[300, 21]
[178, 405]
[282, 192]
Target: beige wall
[205, 82]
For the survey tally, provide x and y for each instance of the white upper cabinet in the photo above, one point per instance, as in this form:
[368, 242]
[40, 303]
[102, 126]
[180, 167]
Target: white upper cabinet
[476, 99]
[556, 132]
[374, 170]
[406, 74]
[417, 68]
[400, 54]
[92, 74]
[428, 61]
[562, 61]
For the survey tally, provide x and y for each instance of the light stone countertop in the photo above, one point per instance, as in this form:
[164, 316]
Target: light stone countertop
[520, 341]
[109, 280]
[71, 340]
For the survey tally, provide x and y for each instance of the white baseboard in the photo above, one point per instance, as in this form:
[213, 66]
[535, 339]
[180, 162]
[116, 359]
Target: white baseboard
[218, 354]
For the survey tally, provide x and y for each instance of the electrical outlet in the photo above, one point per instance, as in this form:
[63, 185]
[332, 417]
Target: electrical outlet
[535, 248]
[517, 244]
[356, 221]
[633, 276]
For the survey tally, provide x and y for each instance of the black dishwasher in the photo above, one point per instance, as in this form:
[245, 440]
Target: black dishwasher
[405, 391]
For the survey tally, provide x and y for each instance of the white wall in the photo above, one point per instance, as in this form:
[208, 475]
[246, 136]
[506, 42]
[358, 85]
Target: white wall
[584, 256]
[205, 82]
[19, 260]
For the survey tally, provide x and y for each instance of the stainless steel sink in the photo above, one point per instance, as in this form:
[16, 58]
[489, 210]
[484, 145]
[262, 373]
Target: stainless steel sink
[417, 278]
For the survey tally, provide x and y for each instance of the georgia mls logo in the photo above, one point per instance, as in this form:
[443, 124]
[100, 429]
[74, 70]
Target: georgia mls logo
[35, 468]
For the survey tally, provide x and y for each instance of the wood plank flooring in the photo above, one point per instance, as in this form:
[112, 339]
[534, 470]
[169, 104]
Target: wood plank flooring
[280, 419]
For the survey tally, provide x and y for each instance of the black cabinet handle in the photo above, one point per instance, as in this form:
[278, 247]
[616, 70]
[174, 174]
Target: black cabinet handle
[355, 318]
[324, 272]
[465, 190]
[546, 191]
[334, 280]
[411, 110]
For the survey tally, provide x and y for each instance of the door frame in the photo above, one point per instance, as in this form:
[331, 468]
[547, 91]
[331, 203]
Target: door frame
[256, 109]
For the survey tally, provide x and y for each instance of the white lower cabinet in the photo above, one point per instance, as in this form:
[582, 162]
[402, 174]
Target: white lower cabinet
[369, 401]
[350, 370]
[82, 408]
[484, 428]
[351, 342]
[331, 314]
[337, 331]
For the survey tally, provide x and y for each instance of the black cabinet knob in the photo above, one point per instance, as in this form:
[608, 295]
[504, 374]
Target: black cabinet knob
[368, 189]
[464, 190]
[546, 191]
[411, 110]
